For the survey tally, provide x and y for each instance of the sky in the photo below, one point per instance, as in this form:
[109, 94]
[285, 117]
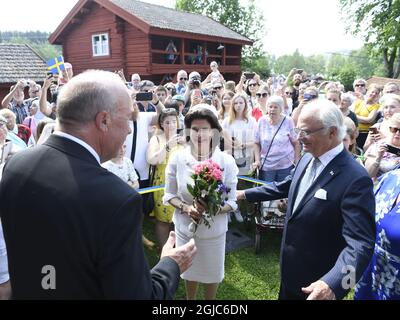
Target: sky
[311, 26]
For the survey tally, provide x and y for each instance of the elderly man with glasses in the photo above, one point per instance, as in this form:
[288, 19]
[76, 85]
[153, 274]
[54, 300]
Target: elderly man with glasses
[329, 232]
[181, 79]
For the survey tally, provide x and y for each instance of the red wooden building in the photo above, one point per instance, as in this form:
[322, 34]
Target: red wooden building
[133, 36]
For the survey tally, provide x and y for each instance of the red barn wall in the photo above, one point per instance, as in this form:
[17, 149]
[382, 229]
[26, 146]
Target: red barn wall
[77, 45]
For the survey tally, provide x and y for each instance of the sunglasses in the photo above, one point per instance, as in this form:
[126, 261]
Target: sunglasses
[288, 92]
[183, 79]
[253, 84]
[394, 130]
[360, 85]
[264, 95]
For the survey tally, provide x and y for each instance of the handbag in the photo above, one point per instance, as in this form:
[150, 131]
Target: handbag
[243, 162]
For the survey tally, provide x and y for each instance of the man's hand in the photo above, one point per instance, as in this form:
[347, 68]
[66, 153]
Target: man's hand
[183, 255]
[240, 195]
[319, 290]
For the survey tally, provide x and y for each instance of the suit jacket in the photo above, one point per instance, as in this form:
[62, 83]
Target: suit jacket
[325, 239]
[60, 208]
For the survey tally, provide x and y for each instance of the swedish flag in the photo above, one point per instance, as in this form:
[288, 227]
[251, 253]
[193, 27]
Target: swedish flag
[56, 65]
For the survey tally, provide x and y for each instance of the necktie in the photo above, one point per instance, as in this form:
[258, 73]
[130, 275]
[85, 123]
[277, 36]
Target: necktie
[307, 180]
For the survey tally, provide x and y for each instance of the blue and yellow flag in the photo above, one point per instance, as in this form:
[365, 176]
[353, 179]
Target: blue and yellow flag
[56, 65]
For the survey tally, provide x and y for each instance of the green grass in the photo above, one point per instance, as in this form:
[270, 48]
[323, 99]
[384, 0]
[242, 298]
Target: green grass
[247, 276]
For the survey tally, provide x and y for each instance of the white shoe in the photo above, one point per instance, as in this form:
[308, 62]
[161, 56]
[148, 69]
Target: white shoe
[238, 216]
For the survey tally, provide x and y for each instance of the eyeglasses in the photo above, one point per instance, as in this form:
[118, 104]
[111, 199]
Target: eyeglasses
[183, 79]
[264, 95]
[360, 85]
[394, 130]
[306, 133]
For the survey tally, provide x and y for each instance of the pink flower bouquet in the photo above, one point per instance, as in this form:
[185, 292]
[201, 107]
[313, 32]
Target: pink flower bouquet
[208, 187]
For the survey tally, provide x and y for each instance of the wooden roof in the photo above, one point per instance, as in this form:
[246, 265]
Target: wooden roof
[152, 18]
[382, 81]
[20, 61]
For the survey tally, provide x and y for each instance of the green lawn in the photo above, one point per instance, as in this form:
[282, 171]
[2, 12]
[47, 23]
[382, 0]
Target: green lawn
[247, 275]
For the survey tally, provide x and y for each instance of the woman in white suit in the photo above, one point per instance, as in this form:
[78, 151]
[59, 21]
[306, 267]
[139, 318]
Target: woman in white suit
[203, 128]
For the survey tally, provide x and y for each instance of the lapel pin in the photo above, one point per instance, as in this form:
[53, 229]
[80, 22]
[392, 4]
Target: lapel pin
[332, 173]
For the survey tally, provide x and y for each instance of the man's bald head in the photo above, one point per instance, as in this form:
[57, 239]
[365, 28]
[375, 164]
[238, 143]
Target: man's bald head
[87, 94]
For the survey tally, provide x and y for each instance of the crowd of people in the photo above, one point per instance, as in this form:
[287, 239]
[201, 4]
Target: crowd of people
[325, 149]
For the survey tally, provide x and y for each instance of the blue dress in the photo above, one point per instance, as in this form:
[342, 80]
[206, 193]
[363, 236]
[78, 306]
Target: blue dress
[381, 280]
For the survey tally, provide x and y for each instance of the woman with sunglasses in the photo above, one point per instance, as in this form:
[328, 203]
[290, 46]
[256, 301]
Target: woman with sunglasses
[260, 108]
[381, 157]
[251, 90]
[390, 104]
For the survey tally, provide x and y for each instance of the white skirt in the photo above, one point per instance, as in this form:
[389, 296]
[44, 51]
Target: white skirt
[208, 263]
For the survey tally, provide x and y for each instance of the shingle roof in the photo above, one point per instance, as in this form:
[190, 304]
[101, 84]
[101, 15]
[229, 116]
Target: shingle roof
[19, 61]
[171, 19]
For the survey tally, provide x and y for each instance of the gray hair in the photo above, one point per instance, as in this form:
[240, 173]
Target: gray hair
[329, 114]
[359, 80]
[348, 96]
[389, 97]
[278, 100]
[87, 94]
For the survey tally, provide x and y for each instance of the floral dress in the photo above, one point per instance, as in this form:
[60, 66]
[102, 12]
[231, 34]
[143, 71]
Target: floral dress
[381, 280]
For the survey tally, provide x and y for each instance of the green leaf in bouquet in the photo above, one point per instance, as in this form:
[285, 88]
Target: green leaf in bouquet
[190, 189]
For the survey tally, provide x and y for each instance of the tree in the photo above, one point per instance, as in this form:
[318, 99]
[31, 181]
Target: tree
[377, 21]
[245, 20]
[285, 63]
[315, 64]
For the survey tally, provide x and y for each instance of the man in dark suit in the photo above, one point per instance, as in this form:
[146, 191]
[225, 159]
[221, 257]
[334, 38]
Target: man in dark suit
[73, 229]
[329, 231]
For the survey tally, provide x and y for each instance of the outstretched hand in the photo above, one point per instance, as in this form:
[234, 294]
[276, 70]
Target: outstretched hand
[319, 290]
[183, 255]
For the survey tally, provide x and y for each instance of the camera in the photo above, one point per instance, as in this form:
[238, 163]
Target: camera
[195, 81]
[373, 130]
[393, 149]
[249, 75]
[144, 96]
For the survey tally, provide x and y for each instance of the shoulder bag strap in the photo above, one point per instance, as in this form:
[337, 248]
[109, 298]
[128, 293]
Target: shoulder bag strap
[270, 145]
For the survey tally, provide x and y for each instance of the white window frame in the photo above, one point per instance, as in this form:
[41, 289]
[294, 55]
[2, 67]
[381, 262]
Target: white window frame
[102, 47]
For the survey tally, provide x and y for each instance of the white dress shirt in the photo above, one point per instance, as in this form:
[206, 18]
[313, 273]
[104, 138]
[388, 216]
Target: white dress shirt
[78, 141]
